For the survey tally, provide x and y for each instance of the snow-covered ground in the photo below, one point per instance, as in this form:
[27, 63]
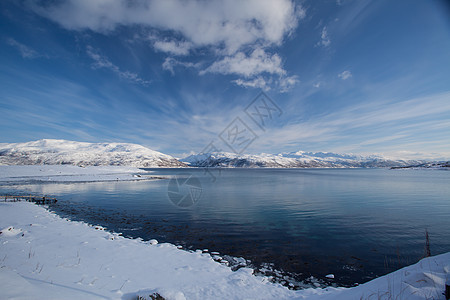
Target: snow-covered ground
[43, 256]
[67, 173]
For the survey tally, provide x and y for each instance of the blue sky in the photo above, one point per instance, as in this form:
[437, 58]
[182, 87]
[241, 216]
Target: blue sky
[348, 76]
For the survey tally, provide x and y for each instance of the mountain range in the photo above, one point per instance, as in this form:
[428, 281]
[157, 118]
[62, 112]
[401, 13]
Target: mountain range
[298, 159]
[429, 165]
[60, 152]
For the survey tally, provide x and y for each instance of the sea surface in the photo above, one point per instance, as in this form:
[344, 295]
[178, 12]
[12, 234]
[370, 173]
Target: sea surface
[291, 224]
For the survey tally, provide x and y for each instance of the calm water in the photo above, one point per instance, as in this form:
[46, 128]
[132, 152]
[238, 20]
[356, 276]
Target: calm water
[355, 223]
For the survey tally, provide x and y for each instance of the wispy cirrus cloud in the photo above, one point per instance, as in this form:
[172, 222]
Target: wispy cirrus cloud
[283, 83]
[101, 62]
[345, 75]
[25, 51]
[170, 63]
[259, 61]
[385, 126]
[324, 38]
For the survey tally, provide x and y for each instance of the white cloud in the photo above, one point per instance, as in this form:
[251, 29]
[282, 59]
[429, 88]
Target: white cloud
[345, 75]
[283, 83]
[173, 47]
[103, 62]
[237, 32]
[168, 45]
[258, 82]
[288, 82]
[248, 65]
[259, 69]
[230, 24]
[25, 51]
[170, 63]
[324, 38]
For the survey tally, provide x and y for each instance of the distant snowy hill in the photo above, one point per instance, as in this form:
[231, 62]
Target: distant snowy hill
[429, 165]
[298, 159]
[62, 152]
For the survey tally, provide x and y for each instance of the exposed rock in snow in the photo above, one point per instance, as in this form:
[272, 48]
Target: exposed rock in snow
[62, 152]
[10, 231]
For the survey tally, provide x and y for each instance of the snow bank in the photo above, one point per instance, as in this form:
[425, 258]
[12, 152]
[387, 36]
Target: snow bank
[67, 173]
[43, 256]
[423, 280]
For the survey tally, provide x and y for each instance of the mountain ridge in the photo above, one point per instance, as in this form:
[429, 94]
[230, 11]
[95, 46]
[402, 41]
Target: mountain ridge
[64, 152]
[297, 159]
[60, 152]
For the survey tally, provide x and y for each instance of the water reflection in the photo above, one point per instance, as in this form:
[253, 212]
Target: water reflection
[357, 223]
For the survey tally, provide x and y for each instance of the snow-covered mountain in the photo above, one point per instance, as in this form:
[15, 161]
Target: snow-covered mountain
[298, 159]
[430, 165]
[62, 152]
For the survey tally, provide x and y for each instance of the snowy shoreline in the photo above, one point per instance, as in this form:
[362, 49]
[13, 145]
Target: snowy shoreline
[55, 257]
[68, 173]
[45, 256]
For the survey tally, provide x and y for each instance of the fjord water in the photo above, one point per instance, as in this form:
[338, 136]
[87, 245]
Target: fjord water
[355, 223]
